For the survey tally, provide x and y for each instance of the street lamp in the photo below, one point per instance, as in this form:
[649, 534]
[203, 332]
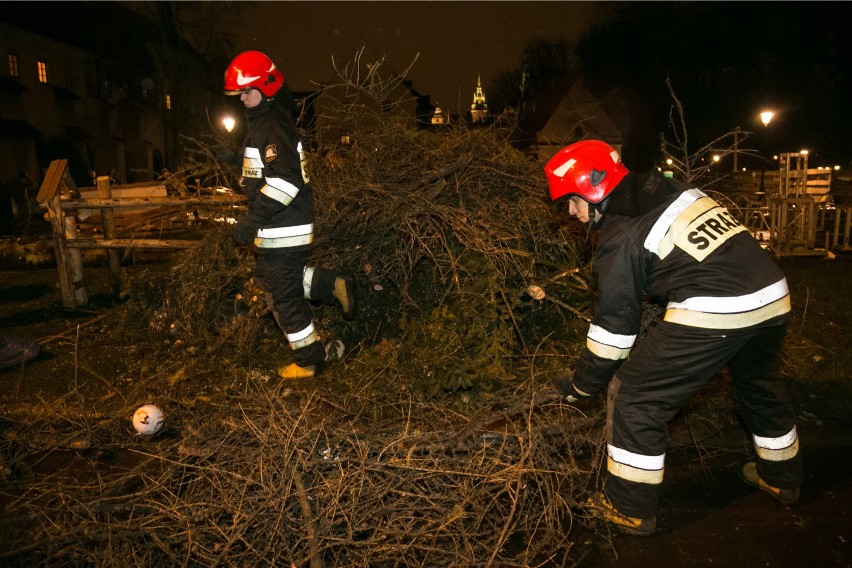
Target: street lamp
[228, 122]
[766, 117]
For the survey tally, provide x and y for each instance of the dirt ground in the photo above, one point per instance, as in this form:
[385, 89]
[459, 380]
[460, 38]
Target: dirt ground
[708, 516]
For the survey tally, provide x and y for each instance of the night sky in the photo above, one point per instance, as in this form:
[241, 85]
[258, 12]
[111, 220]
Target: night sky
[455, 40]
[727, 60]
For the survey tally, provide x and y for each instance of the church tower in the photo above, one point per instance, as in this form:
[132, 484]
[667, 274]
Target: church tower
[479, 108]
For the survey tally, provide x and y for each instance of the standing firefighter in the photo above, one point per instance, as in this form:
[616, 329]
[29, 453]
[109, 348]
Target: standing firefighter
[279, 223]
[727, 305]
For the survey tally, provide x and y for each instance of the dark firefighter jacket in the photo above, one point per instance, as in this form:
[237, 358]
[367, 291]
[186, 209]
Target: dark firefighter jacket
[279, 197]
[671, 243]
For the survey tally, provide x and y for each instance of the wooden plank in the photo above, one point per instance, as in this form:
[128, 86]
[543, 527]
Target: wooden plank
[108, 220]
[51, 181]
[75, 261]
[160, 201]
[127, 190]
[120, 192]
[144, 244]
[63, 264]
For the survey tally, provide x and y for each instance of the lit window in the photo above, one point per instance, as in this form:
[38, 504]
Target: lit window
[168, 102]
[42, 72]
[13, 66]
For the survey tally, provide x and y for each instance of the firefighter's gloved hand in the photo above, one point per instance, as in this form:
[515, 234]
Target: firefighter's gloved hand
[246, 230]
[571, 394]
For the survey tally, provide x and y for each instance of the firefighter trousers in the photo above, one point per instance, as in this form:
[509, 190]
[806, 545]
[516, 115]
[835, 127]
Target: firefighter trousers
[664, 370]
[288, 285]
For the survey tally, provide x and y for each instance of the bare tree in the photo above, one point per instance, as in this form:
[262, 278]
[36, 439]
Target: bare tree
[697, 166]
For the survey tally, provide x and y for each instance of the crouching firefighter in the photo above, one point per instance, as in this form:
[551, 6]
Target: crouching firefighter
[727, 305]
[279, 223]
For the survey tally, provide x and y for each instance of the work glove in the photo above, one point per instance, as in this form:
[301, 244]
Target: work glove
[246, 230]
[571, 394]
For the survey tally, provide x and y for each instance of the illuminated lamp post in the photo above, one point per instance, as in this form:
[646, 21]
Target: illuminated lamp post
[228, 122]
[766, 117]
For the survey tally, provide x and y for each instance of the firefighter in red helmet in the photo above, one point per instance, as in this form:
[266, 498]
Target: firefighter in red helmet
[279, 223]
[727, 305]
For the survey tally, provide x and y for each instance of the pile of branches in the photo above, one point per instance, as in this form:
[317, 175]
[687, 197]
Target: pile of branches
[444, 231]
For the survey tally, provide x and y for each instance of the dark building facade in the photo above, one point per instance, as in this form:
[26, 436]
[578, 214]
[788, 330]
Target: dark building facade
[96, 84]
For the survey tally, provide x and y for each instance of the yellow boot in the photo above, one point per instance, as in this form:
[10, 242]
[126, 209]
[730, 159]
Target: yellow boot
[750, 476]
[344, 292]
[600, 508]
[295, 372]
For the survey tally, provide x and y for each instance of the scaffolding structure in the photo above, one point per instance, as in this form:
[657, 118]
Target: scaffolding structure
[794, 210]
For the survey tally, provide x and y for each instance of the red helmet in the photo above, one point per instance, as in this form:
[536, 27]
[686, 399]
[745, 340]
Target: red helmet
[253, 69]
[590, 169]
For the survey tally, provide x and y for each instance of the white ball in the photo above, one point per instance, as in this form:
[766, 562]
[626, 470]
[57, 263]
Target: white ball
[148, 419]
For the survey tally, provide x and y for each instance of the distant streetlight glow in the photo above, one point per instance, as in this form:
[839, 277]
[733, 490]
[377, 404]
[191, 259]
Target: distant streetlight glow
[229, 123]
[803, 152]
[716, 157]
[766, 117]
